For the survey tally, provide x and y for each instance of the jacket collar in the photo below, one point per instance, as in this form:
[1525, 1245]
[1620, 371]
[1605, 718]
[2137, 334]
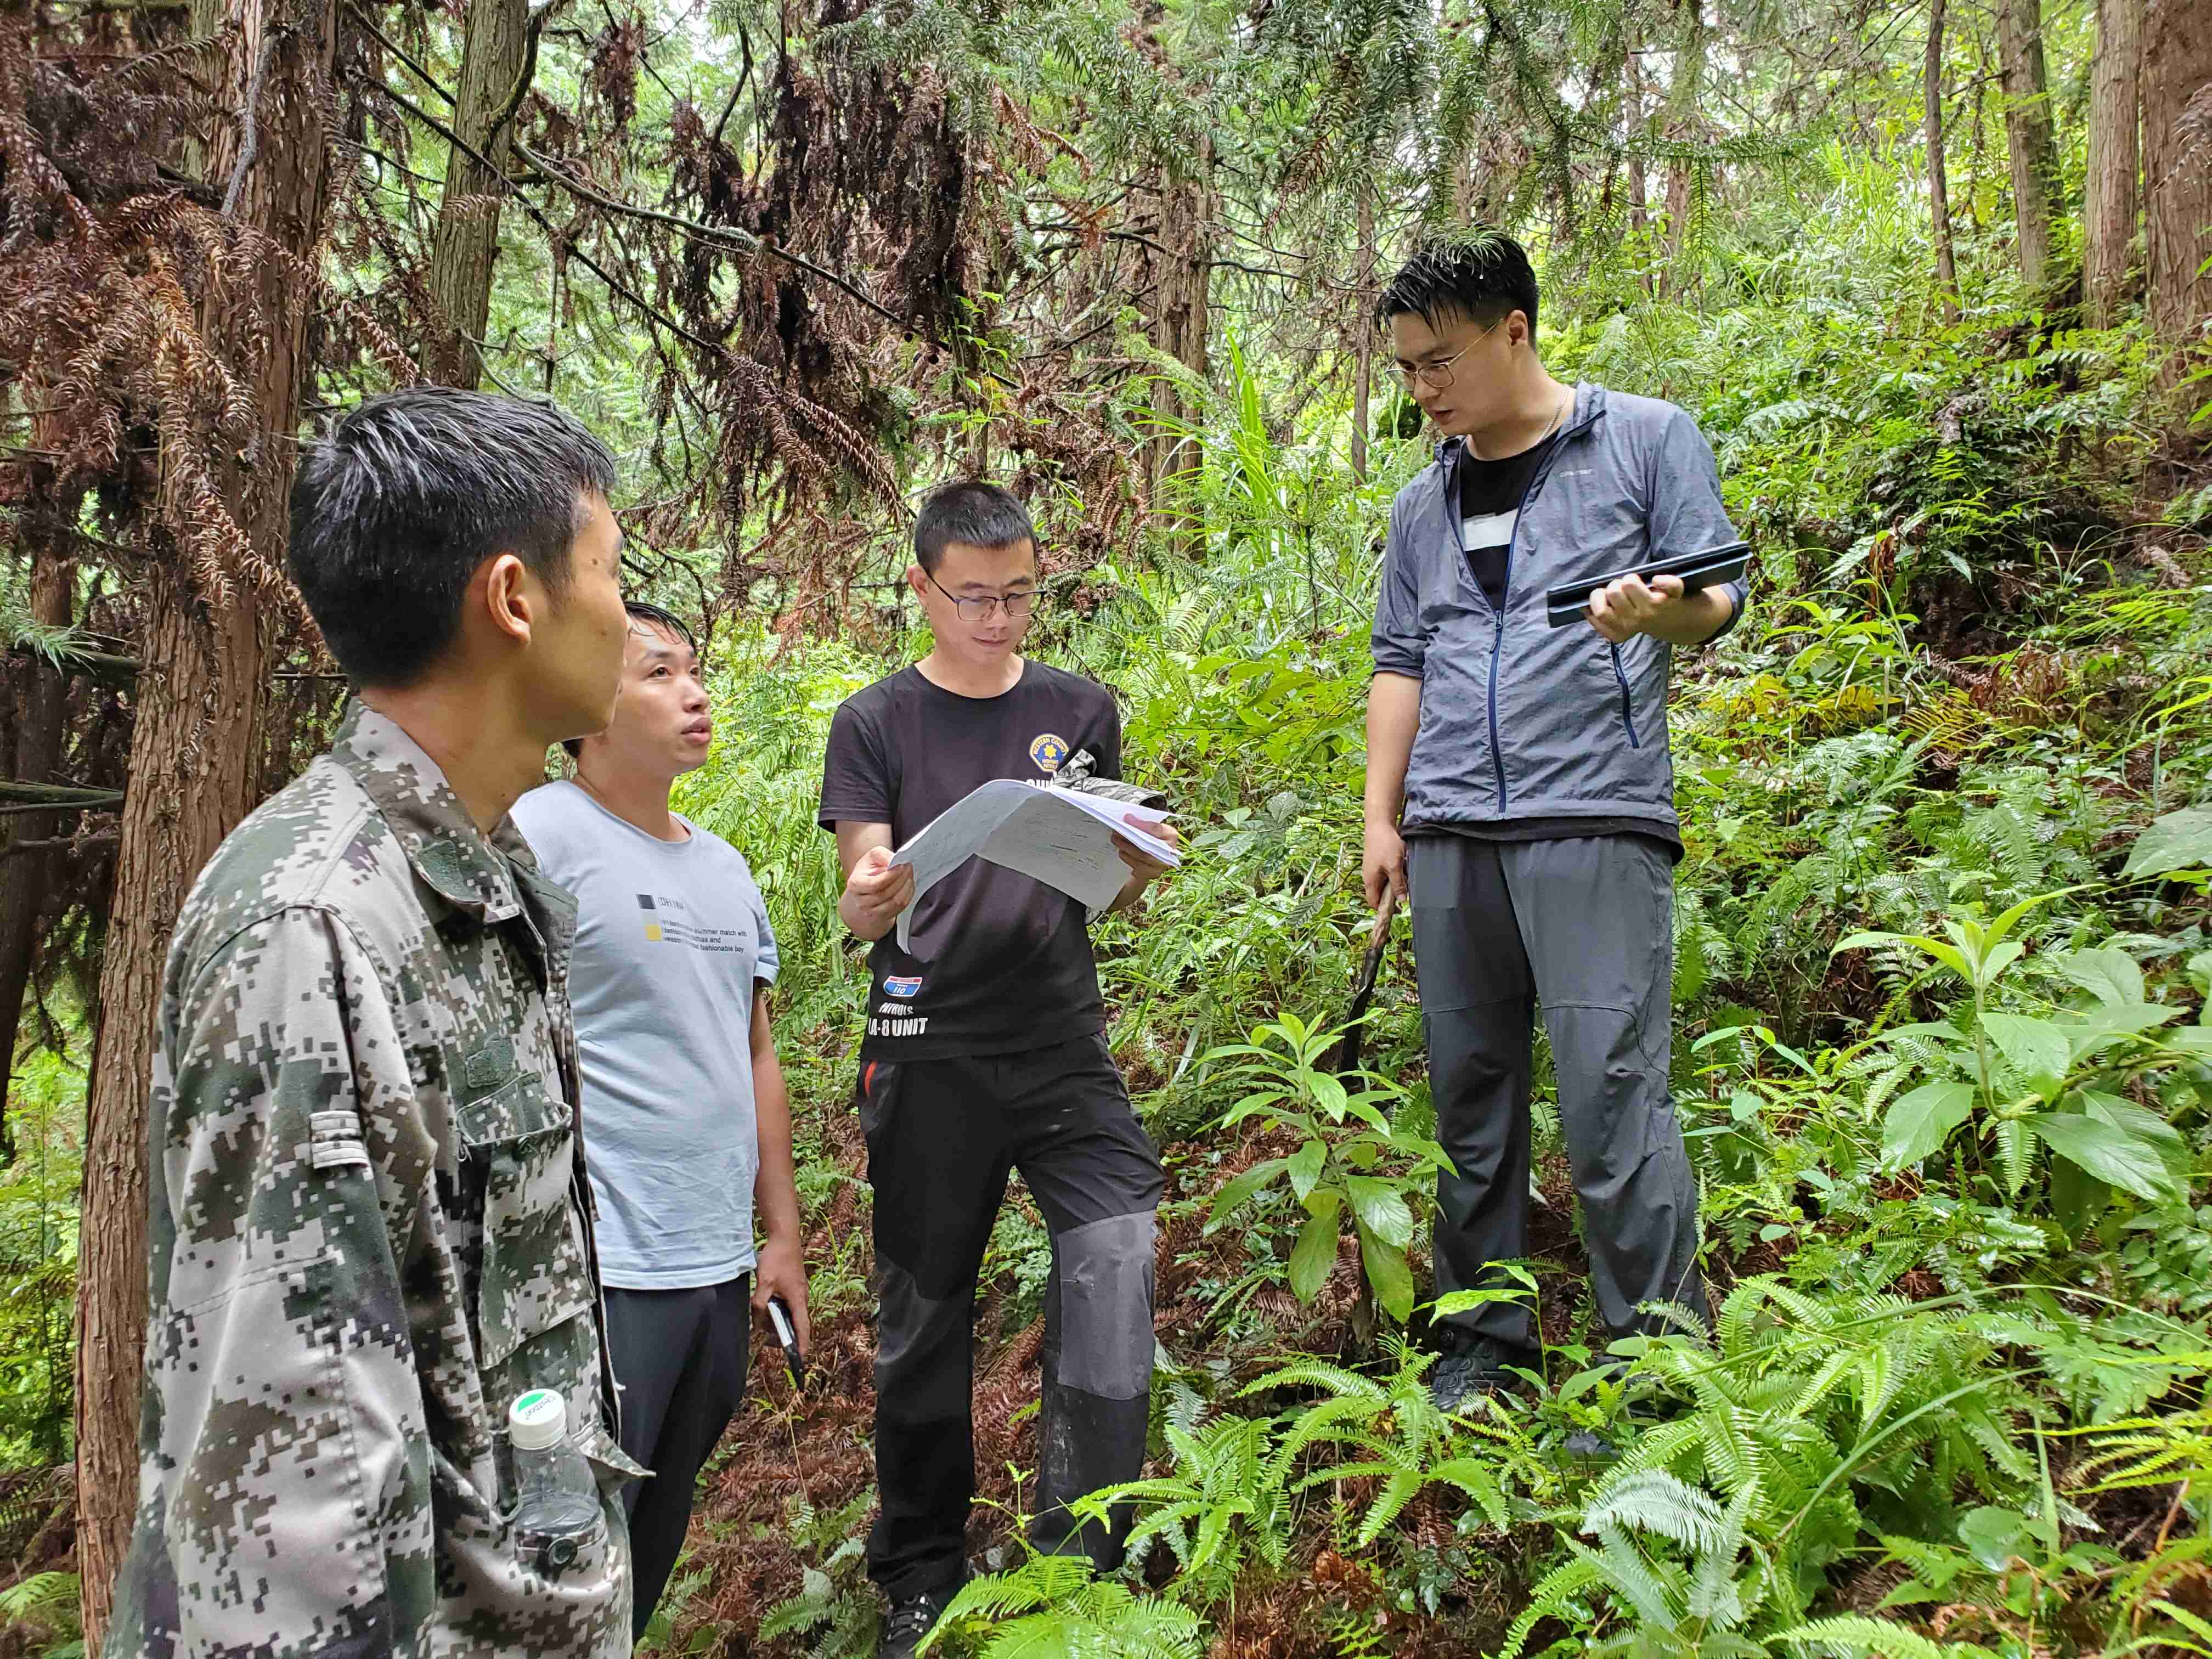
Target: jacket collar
[1589, 407]
[474, 873]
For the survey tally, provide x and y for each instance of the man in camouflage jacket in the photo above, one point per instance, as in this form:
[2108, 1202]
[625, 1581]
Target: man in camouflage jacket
[371, 1229]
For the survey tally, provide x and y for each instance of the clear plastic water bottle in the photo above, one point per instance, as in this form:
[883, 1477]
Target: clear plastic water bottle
[560, 1498]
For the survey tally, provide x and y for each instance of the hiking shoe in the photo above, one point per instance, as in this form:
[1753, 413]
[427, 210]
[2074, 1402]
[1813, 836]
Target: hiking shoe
[1469, 1369]
[1588, 1446]
[910, 1621]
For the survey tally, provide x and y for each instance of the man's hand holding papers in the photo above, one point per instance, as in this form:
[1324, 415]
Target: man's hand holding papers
[1098, 850]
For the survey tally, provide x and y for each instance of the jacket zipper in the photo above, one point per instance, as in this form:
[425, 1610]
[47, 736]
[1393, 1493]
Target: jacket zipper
[1627, 707]
[1498, 616]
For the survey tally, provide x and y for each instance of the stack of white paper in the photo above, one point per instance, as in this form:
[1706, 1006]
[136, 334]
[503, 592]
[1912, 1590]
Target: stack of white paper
[1061, 837]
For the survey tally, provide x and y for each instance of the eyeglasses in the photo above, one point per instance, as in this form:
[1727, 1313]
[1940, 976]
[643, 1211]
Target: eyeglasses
[979, 609]
[1439, 375]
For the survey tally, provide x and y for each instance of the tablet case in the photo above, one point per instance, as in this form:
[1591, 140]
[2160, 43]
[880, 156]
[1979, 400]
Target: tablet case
[1708, 567]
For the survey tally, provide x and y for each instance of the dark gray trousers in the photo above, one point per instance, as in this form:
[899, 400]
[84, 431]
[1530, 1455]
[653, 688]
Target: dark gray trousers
[681, 1357]
[943, 1136]
[1582, 929]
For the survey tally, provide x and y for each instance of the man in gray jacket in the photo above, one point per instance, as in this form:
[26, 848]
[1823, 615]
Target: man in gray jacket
[1519, 783]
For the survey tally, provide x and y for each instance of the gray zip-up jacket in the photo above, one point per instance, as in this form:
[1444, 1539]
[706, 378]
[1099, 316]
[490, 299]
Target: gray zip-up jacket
[1520, 719]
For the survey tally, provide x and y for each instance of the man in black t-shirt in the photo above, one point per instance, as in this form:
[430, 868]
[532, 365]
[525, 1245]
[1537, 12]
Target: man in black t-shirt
[985, 1052]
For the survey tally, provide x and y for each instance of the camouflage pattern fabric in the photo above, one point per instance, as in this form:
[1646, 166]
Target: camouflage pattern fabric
[371, 1230]
[1075, 772]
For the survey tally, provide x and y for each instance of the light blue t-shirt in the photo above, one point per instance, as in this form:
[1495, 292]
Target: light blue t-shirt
[670, 937]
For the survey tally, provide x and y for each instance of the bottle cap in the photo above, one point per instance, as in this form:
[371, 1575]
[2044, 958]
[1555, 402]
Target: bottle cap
[537, 1419]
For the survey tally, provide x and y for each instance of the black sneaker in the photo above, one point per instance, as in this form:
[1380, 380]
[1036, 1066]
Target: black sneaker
[909, 1621]
[1588, 1446]
[1469, 1369]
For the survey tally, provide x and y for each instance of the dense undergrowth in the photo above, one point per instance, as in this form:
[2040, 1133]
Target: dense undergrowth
[1943, 1055]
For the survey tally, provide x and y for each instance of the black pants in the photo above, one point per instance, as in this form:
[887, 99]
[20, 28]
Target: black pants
[942, 1136]
[1584, 929]
[681, 1357]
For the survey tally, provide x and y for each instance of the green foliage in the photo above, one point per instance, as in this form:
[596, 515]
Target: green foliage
[1376, 1175]
[1226, 1502]
[1052, 1608]
[835, 1609]
[37, 1261]
[46, 1605]
[2038, 1084]
[1395, 1434]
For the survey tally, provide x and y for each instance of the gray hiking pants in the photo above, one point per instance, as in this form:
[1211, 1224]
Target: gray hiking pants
[1582, 929]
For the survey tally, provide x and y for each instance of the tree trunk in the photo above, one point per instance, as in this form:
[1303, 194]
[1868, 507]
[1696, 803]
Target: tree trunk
[2177, 67]
[1682, 126]
[1939, 194]
[1633, 127]
[2028, 142]
[2113, 195]
[465, 245]
[1181, 319]
[195, 740]
[1639, 188]
[1364, 320]
[38, 753]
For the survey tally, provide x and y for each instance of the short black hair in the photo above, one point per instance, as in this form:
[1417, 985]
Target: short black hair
[1482, 275]
[640, 611]
[402, 500]
[978, 514]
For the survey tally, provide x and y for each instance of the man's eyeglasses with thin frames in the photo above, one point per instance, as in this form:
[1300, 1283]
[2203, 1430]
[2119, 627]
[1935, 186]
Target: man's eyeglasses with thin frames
[977, 609]
[1439, 375]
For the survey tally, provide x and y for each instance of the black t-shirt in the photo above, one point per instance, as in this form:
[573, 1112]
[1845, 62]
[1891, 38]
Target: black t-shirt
[1000, 962]
[1490, 495]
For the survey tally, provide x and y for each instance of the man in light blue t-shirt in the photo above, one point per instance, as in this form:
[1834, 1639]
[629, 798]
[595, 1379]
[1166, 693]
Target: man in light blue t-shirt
[686, 1122]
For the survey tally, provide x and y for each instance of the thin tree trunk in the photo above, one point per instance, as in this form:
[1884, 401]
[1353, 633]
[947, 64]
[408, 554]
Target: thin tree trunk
[38, 753]
[195, 740]
[1639, 189]
[2029, 144]
[1939, 194]
[2176, 68]
[1682, 126]
[1182, 319]
[1364, 320]
[465, 245]
[2113, 197]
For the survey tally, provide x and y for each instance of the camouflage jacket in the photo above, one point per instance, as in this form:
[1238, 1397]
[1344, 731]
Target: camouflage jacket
[370, 1232]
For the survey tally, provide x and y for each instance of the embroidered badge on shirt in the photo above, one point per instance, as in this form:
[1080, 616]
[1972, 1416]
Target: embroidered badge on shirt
[1049, 750]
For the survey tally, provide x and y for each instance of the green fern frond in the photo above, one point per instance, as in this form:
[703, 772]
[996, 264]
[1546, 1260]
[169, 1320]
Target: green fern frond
[1561, 1585]
[1653, 1500]
[1855, 1636]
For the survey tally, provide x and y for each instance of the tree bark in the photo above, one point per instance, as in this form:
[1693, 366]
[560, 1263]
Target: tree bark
[1364, 320]
[1639, 188]
[1682, 126]
[2177, 67]
[38, 752]
[2113, 197]
[2029, 144]
[1939, 192]
[1182, 318]
[465, 245]
[194, 741]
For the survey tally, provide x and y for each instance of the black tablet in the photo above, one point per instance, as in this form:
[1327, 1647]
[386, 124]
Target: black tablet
[1708, 567]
